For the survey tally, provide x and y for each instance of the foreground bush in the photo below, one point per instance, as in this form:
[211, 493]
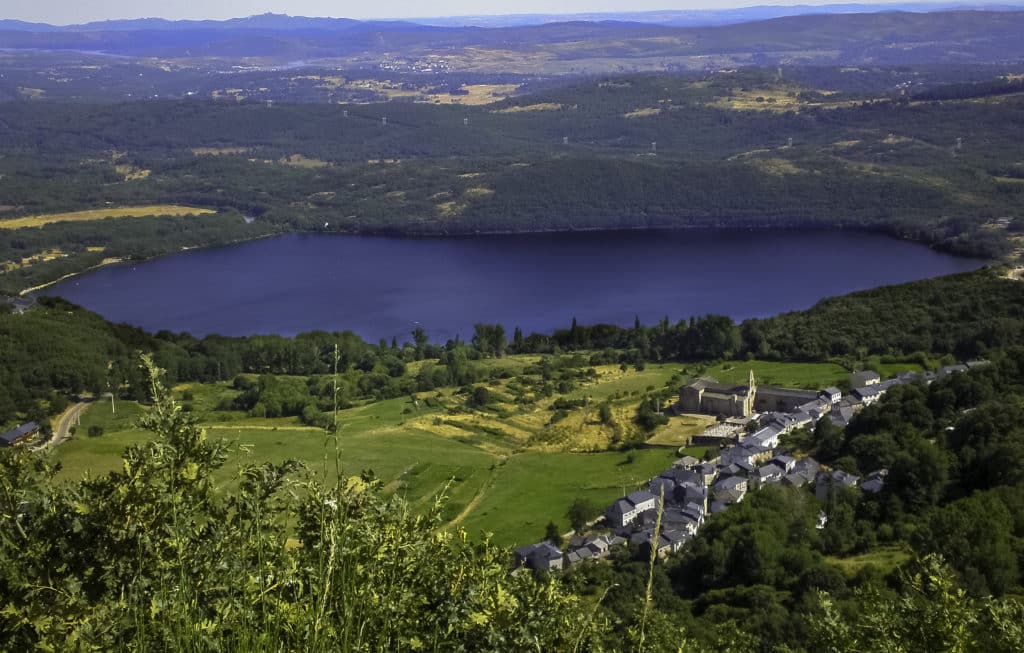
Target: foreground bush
[157, 557]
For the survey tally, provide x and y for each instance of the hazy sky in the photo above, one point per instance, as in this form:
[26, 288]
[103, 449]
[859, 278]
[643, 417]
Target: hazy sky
[63, 12]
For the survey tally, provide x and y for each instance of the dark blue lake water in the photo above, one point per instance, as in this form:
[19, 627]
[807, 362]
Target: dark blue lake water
[384, 287]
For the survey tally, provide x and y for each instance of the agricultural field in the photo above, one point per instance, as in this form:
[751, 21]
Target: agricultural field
[102, 214]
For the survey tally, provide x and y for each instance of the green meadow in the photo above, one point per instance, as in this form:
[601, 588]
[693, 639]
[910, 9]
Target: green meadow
[491, 483]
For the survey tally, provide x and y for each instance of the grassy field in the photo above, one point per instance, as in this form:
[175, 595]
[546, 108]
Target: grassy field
[102, 214]
[811, 376]
[534, 488]
[507, 468]
[885, 558]
[680, 429]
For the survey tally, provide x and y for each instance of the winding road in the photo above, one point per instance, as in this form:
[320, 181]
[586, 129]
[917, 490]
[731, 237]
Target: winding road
[64, 424]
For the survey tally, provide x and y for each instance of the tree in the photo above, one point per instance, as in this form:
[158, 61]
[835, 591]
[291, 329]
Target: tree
[552, 534]
[930, 614]
[580, 513]
[420, 340]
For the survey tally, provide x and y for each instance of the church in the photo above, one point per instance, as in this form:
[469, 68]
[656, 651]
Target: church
[707, 396]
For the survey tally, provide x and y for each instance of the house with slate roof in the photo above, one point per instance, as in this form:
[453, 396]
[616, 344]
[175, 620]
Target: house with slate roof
[19, 435]
[628, 508]
[864, 379]
[543, 555]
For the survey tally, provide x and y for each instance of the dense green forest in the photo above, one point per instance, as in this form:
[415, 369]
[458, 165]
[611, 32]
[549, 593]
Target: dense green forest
[577, 155]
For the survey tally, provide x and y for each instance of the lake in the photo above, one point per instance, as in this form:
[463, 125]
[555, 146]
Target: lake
[382, 287]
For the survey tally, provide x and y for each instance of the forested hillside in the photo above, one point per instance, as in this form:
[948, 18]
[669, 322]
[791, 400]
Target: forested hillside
[728, 149]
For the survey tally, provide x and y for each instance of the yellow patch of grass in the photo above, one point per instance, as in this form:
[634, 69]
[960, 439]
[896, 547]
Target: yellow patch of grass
[476, 94]
[450, 209]
[1009, 180]
[29, 261]
[218, 151]
[396, 195]
[893, 139]
[130, 172]
[846, 144]
[758, 99]
[300, 161]
[95, 249]
[679, 430]
[102, 214]
[477, 192]
[642, 113]
[540, 106]
[774, 99]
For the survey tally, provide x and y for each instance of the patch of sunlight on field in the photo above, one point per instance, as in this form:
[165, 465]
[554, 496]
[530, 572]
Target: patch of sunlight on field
[540, 106]
[102, 214]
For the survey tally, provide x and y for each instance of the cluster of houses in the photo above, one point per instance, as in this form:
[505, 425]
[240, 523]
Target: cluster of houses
[19, 435]
[19, 304]
[691, 490]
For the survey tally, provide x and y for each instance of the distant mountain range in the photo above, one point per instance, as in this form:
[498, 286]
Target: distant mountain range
[674, 18]
[701, 17]
[837, 34]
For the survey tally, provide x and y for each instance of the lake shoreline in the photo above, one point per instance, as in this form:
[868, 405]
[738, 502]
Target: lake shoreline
[380, 286]
[732, 227]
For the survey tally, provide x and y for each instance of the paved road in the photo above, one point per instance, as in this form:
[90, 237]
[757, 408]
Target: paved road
[67, 420]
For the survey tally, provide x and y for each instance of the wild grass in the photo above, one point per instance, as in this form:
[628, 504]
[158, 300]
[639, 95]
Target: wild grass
[102, 214]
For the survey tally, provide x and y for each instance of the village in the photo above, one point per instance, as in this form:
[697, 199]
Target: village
[674, 506]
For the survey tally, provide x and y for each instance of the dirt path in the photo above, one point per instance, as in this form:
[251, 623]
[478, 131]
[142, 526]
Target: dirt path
[472, 505]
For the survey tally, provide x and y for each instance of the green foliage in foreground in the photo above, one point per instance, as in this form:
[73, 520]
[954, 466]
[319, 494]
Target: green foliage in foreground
[151, 558]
